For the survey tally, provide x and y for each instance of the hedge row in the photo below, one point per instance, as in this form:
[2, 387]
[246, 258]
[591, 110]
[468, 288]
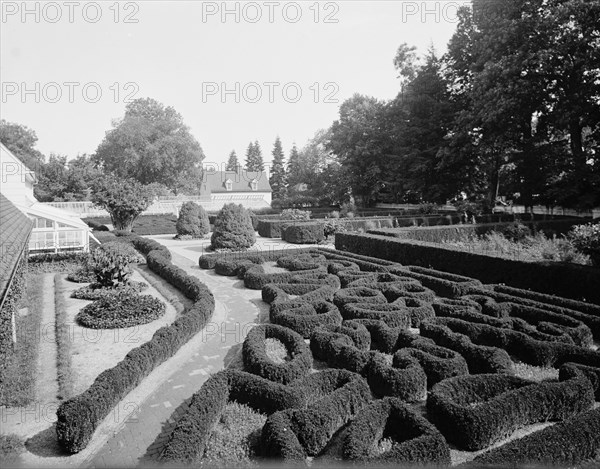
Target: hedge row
[442, 283]
[404, 378]
[256, 360]
[521, 345]
[187, 442]
[550, 304]
[303, 233]
[416, 440]
[440, 234]
[275, 228]
[208, 261]
[566, 444]
[294, 434]
[570, 280]
[77, 418]
[475, 411]
[303, 317]
[365, 263]
[479, 358]
[255, 277]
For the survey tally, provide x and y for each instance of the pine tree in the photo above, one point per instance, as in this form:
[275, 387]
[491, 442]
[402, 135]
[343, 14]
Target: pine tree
[232, 163]
[278, 175]
[249, 157]
[294, 170]
[259, 164]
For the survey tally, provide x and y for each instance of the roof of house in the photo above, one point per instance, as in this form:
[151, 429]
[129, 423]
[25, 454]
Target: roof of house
[215, 181]
[13, 239]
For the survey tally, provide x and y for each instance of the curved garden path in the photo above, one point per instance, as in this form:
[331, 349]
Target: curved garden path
[146, 422]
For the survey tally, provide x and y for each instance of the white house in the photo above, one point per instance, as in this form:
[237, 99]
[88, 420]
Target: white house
[54, 229]
[249, 188]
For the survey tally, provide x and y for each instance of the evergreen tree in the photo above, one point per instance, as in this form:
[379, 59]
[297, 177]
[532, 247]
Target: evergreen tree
[278, 178]
[294, 170]
[232, 163]
[250, 156]
[259, 164]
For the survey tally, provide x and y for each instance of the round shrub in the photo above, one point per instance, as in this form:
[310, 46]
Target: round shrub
[416, 440]
[257, 361]
[304, 233]
[233, 229]
[121, 310]
[192, 221]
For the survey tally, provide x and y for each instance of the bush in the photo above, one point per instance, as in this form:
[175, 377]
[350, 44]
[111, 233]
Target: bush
[303, 317]
[95, 291]
[404, 378]
[295, 433]
[515, 231]
[415, 440]
[123, 249]
[294, 214]
[566, 444]
[121, 310]
[192, 221]
[348, 209]
[475, 411]
[305, 233]
[111, 269]
[256, 360]
[233, 229]
[78, 418]
[586, 238]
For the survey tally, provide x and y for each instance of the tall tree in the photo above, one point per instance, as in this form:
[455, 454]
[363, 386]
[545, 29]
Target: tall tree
[21, 141]
[152, 145]
[232, 163]
[254, 159]
[278, 175]
[294, 168]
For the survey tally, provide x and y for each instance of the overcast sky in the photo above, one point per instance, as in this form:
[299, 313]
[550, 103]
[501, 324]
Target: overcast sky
[68, 68]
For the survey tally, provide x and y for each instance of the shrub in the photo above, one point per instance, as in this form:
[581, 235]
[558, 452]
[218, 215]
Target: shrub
[586, 238]
[96, 292]
[393, 315]
[304, 233]
[416, 440]
[192, 221]
[515, 231]
[120, 311]
[295, 433]
[404, 378]
[294, 214]
[124, 249]
[566, 444]
[475, 411]
[303, 317]
[233, 229]
[111, 269]
[256, 360]
[348, 209]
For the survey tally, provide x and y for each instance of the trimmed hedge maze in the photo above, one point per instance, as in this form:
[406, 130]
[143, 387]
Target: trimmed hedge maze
[395, 364]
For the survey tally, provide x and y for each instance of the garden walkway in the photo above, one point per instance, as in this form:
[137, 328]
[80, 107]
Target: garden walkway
[147, 423]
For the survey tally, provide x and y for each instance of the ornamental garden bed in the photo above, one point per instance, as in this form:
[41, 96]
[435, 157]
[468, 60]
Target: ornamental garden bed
[97, 349]
[383, 363]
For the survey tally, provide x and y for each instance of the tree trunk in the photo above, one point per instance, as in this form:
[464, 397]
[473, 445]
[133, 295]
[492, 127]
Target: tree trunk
[576, 142]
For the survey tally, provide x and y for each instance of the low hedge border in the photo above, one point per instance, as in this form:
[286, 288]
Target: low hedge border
[337, 267]
[443, 283]
[77, 418]
[307, 261]
[521, 345]
[280, 292]
[475, 411]
[592, 373]
[479, 358]
[394, 315]
[296, 433]
[303, 317]
[255, 277]
[439, 363]
[231, 267]
[419, 309]
[358, 295]
[566, 444]
[187, 442]
[416, 440]
[384, 338]
[269, 228]
[590, 320]
[404, 378]
[338, 350]
[568, 280]
[257, 362]
[208, 261]
[365, 263]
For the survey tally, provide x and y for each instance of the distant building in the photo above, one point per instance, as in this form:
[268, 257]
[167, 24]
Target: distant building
[54, 229]
[249, 188]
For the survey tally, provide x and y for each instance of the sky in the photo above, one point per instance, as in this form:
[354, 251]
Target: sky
[236, 71]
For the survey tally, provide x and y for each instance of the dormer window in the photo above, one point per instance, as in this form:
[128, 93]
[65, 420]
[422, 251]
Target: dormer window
[254, 184]
[228, 184]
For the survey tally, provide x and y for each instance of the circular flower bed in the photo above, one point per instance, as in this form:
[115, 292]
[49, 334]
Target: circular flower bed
[96, 292]
[124, 309]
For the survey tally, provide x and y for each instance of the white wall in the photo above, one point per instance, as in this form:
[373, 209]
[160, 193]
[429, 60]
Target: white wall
[16, 181]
